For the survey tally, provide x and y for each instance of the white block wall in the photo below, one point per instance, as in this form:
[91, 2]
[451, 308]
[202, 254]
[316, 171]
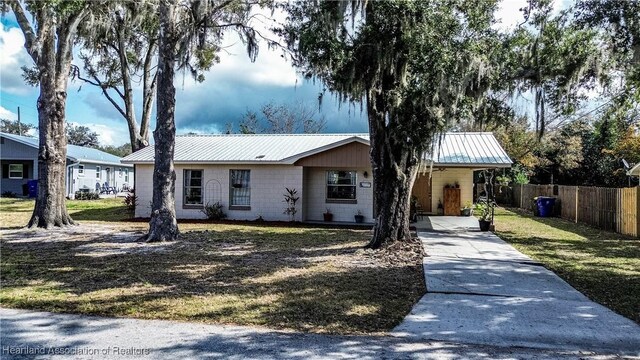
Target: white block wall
[315, 196]
[268, 183]
[464, 177]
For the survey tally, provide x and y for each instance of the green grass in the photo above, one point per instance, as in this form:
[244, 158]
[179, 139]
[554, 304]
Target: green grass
[309, 279]
[16, 212]
[602, 265]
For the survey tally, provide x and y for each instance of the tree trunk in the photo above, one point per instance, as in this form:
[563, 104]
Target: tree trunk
[50, 208]
[163, 225]
[395, 167]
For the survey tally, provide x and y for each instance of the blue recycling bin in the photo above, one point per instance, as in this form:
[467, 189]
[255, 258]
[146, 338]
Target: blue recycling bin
[33, 188]
[545, 206]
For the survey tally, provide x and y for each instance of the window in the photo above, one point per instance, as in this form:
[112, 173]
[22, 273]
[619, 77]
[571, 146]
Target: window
[126, 175]
[193, 187]
[15, 171]
[240, 189]
[80, 170]
[341, 185]
[119, 172]
[98, 172]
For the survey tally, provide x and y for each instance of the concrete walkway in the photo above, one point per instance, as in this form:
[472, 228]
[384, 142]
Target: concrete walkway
[481, 290]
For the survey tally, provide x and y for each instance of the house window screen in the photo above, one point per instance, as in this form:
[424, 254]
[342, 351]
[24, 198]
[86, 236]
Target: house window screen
[341, 185]
[98, 172]
[193, 187]
[16, 171]
[240, 194]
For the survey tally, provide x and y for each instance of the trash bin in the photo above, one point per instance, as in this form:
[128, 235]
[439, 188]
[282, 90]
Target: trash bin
[33, 188]
[25, 189]
[545, 206]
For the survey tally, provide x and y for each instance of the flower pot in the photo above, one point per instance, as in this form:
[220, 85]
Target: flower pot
[327, 217]
[359, 218]
[484, 225]
[465, 212]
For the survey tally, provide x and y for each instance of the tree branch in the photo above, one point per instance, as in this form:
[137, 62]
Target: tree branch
[32, 44]
[66, 32]
[75, 70]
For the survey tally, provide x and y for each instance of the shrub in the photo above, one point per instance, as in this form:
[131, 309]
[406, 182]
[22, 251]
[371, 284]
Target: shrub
[214, 211]
[291, 198]
[8, 194]
[131, 200]
[87, 195]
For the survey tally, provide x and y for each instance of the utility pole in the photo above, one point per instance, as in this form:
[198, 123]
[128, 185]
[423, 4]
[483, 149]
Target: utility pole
[19, 126]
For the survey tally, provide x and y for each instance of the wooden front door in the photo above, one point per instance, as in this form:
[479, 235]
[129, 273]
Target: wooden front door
[422, 190]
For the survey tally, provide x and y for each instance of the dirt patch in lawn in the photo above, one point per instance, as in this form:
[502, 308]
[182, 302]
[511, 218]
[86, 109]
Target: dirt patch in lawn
[311, 279]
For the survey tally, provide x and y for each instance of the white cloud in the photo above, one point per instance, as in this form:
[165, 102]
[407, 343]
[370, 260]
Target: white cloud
[270, 68]
[12, 57]
[7, 114]
[107, 134]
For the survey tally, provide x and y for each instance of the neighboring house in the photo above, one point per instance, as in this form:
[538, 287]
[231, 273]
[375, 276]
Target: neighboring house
[248, 174]
[85, 166]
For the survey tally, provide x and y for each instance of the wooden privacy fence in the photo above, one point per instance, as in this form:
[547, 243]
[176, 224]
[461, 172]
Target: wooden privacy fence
[612, 209]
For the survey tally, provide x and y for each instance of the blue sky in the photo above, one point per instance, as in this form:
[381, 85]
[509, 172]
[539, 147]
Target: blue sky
[230, 88]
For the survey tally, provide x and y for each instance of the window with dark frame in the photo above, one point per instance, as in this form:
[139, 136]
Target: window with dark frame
[80, 170]
[98, 172]
[240, 188]
[16, 171]
[341, 185]
[193, 187]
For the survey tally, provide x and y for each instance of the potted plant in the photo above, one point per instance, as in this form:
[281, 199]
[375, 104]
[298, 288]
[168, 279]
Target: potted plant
[440, 207]
[485, 214]
[359, 217]
[466, 210]
[457, 185]
[327, 215]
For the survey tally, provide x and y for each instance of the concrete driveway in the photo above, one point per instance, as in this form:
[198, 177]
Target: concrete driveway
[481, 290]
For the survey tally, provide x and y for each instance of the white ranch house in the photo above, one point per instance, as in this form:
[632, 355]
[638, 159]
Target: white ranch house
[86, 167]
[248, 174]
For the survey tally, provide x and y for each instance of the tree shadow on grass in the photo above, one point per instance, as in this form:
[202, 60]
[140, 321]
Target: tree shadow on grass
[303, 279]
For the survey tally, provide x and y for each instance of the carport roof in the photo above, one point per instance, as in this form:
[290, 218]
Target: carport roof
[469, 148]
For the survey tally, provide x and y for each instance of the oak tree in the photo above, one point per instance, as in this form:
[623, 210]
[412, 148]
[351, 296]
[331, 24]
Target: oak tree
[418, 66]
[49, 39]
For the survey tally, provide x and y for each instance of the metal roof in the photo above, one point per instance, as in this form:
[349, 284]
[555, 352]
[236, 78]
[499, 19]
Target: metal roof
[456, 149]
[74, 153]
[469, 148]
[254, 148]
[634, 171]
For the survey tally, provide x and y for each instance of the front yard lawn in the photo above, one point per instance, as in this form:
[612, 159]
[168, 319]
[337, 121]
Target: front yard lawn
[602, 265]
[16, 212]
[310, 279]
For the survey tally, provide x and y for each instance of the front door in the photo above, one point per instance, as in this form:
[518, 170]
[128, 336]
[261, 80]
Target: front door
[422, 191]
